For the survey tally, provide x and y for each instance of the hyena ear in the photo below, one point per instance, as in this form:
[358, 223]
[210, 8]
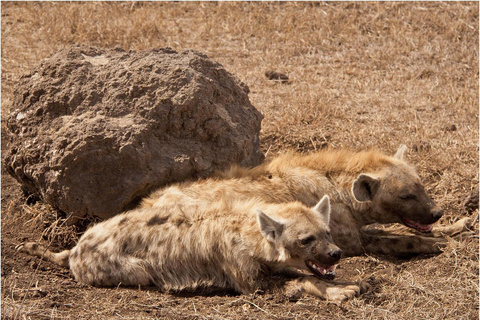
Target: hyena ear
[271, 229]
[322, 209]
[365, 187]
[400, 155]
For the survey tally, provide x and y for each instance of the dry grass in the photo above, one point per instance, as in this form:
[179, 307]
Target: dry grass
[361, 75]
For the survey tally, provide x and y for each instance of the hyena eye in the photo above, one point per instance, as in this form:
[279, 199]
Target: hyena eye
[307, 240]
[409, 196]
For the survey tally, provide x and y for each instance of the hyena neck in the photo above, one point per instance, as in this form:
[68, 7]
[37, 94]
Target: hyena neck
[259, 248]
[270, 253]
[362, 212]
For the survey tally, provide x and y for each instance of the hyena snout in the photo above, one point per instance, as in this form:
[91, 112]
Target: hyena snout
[436, 212]
[335, 254]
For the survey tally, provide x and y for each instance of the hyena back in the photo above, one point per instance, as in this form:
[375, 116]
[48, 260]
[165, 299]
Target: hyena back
[188, 244]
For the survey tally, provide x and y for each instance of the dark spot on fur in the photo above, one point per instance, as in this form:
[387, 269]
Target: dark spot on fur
[394, 241]
[270, 176]
[328, 176]
[121, 222]
[125, 246]
[103, 268]
[91, 247]
[132, 245]
[87, 237]
[75, 254]
[216, 248]
[373, 240]
[80, 253]
[157, 220]
[236, 240]
[116, 265]
[138, 241]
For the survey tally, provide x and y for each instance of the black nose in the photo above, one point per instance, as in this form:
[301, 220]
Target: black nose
[437, 213]
[335, 254]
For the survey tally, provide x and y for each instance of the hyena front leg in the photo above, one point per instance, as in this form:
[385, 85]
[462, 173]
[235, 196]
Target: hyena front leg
[331, 291]
[402, 245]
[461, 226]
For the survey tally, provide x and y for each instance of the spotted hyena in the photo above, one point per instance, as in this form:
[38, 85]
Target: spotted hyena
[186, 244]
[365, 187]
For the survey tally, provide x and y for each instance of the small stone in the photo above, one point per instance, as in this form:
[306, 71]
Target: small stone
[421, 146]
[451, 128]
[276, 76]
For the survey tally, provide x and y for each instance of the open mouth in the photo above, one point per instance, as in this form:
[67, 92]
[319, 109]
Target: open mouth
[325, 272]
[425, 228]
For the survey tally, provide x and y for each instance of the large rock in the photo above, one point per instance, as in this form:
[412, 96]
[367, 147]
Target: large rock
[95, 130]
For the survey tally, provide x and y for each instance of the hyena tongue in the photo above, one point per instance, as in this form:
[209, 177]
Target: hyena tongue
[331, 268]
[424, 227]
[327, 272]
[418, 226]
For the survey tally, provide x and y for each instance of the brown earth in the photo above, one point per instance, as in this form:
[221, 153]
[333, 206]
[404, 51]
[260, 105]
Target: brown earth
[360, 75]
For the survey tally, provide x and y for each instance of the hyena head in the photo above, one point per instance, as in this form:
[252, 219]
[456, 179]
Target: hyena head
[304, 235]
[397, 195]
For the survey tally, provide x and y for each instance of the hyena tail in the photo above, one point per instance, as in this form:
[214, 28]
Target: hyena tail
[37, 250]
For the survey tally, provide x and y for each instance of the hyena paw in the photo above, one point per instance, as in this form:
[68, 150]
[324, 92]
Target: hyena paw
[462, 227]
[294, 292]
[465, 224]
[338, 293]
[365, 286]
[28, 247]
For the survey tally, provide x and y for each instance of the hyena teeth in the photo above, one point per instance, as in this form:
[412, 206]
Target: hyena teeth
[320, 269]
[323, 270]
[418, 226]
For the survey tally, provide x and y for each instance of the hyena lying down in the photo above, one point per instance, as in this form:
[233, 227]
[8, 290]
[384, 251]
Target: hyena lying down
[188, 244]
[365, 188]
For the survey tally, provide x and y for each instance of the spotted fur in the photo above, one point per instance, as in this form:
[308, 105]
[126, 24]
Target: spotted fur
[365, 187]
[186, 243]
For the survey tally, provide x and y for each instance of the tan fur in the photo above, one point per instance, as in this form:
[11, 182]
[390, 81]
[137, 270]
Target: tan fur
[187, 243]
[345, 176]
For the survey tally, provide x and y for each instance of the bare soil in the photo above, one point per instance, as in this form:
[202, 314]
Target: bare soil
[360, 75]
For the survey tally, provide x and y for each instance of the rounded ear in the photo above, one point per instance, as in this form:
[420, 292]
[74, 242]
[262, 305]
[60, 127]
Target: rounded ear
[271, 229]
[365, 187]
[400, 155]
[323, 209]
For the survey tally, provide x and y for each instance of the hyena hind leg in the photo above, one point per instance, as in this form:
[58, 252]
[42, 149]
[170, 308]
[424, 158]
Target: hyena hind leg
[330, 291]
[34, 249]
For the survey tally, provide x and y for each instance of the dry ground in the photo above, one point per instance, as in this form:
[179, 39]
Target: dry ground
[361, 75]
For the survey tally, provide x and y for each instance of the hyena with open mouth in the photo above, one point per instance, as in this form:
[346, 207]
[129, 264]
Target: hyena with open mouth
[365, 188]
[186, 244]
